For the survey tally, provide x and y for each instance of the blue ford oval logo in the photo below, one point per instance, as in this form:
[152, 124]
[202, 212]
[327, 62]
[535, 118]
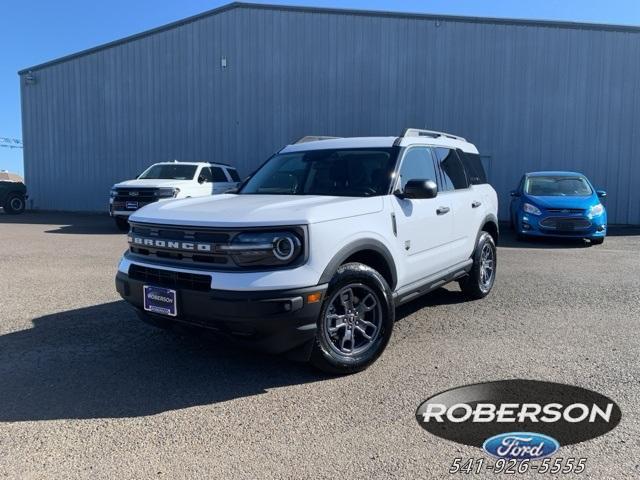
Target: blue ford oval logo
[521, 446]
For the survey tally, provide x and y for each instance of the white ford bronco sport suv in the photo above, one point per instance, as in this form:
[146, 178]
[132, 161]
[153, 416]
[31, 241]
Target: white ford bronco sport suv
[166, 180]
[317, 248]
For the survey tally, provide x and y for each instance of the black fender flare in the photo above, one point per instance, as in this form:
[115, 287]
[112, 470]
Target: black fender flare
[355, 247]
[490, 218]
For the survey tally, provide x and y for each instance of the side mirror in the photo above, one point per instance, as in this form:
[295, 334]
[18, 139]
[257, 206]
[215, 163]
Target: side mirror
[514, 193]
[419, 189]
[201, 179]
[601, 193]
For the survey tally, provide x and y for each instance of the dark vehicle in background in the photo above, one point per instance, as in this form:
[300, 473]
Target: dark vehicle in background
[558, 204]
[13, 195]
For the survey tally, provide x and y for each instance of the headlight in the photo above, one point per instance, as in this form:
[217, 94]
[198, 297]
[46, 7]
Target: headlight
[264, 248]
[167, 192]
[113, 193]
[596, 210]
[532, 209]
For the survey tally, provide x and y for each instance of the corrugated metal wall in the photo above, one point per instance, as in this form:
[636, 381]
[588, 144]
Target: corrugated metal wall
[531, 96]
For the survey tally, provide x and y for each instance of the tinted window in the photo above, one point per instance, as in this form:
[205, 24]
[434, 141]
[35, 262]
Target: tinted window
[206, 174]
[169, 171]
[417, 165]
[453, 174]
[348, 172]
[233, 173]
[218, 175]
[474, 168]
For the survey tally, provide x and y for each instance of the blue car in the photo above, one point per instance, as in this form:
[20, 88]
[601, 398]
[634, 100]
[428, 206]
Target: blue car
[558, 204]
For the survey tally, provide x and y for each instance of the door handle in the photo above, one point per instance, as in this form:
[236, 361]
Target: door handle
[442, 210]
[476, 204]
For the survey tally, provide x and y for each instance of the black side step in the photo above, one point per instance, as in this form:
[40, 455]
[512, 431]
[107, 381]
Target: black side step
[430, 283]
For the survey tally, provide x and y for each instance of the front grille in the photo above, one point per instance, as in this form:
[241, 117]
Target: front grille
[136, 194]
[131, 199]
[176, 235]
[170, 279]
[565, 224]
[565, 210]
[123, 206]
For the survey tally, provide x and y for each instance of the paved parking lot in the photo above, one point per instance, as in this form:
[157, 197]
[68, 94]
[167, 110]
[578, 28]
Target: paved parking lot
[86, 391]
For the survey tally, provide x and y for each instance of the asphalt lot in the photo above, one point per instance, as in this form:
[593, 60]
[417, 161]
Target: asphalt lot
[87, 391]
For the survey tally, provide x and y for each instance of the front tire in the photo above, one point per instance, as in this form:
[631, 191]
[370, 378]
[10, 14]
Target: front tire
[15, 204]
[482, 276]
[356, 320]
[597, 241]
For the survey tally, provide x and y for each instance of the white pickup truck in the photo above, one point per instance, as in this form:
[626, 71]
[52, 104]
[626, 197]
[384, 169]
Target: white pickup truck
[167, 180]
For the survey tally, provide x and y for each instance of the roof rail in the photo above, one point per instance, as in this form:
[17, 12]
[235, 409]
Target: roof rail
[221, 163]
[417, 132]
[313, 138]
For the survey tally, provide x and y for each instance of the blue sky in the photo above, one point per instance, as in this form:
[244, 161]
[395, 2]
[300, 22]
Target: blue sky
[39, 30]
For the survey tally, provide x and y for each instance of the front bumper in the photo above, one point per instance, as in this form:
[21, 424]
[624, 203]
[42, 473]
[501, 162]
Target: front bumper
[532, 225]
[274, 321]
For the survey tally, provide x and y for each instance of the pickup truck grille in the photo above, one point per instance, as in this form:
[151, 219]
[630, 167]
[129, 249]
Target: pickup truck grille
[131, 199]
[565, 224]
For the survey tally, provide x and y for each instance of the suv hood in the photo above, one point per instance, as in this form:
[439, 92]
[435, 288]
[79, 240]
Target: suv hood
[150, 183]
[229, 210]
[563, 202]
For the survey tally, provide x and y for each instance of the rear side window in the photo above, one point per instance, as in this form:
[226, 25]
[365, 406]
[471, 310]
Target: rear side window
[233, 173]
[218, 174]
[473, 165]
[451, 169]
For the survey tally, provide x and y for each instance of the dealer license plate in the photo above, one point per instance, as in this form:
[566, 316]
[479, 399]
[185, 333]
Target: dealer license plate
[160, 300]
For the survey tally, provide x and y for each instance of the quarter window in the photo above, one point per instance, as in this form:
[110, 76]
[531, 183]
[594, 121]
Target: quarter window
[473, 165]
[453, 174]
[417, 165]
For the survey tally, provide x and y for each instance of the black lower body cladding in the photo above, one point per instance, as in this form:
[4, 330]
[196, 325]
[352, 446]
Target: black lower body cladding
[274, 321]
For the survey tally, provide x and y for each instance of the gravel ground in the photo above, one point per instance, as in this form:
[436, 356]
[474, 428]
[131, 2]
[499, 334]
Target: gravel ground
[87, 391]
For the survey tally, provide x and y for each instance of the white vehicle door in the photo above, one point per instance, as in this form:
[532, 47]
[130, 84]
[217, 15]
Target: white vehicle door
[424, 226]
[220, 180]
[455, 185]
[204, 182]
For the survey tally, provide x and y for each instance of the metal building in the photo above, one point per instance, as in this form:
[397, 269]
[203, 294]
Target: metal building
[237, 83]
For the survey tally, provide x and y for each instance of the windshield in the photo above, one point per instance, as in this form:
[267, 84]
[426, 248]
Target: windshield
[349, 172]
[557, 186]
[169, 172]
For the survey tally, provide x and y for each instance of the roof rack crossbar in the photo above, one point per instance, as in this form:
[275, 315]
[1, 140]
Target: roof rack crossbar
[418, 132]
[313, 138]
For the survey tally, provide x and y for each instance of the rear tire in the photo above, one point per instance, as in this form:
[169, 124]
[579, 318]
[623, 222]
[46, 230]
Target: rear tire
[482, 276]
[597, 241]
[356, 321]
[14, 204]
[122, 223]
